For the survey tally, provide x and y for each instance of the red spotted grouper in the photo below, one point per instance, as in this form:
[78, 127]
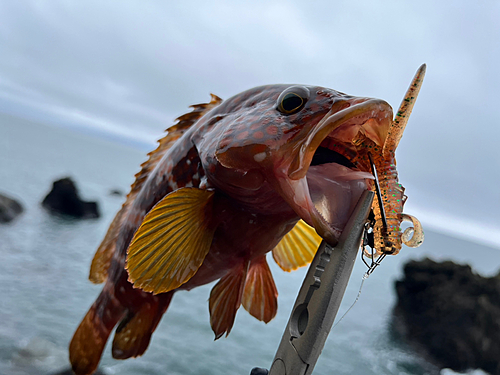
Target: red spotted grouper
[275, 168]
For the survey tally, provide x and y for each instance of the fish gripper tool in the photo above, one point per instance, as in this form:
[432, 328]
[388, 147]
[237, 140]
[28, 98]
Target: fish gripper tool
[320, 296]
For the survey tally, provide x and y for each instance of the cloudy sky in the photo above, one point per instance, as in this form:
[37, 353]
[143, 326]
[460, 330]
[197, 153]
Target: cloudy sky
[129, 68]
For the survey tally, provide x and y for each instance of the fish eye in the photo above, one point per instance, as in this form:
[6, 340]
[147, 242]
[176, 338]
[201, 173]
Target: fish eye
[292, 100]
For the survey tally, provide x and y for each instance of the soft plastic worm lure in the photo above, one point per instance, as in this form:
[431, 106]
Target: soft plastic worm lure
[383, 233]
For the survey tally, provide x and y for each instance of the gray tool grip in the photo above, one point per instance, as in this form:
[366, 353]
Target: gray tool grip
[319, 298]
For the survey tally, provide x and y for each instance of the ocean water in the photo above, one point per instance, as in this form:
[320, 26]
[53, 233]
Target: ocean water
[45, 292]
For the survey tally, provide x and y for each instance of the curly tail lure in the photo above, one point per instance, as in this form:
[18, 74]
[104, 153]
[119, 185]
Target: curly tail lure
[384, 230]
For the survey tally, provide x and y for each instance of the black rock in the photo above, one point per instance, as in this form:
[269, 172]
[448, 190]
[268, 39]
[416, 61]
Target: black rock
[9, 209]
[116, 192]
[64, 199]
[450, 314]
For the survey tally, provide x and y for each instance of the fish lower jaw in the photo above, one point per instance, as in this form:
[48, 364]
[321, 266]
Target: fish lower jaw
[325, 230]
[326, 197]
[305, 208]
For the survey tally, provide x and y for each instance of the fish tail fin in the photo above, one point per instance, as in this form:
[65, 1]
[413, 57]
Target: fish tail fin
[134, 332]
[88, 342]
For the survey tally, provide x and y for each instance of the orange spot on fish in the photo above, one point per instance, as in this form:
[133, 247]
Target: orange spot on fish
[272, 130]
[258, 135]
[242, 135]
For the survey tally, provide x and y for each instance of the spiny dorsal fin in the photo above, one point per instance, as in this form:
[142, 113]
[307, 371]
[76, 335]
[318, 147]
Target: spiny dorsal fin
[184, 122]
[103, 255]
[297, 248]
[225, 300]
[172, 241]
[260, 297]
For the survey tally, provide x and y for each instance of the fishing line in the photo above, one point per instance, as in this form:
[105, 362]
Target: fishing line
[365, 276]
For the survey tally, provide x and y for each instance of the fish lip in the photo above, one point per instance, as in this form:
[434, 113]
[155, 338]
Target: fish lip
[359, 111]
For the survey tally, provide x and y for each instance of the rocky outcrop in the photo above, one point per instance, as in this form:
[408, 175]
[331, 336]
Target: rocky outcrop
[451, 314]
[116, 192]
[9, 209]
[64, 199]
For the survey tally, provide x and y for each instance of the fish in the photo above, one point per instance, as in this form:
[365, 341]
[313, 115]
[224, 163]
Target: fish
[276, 168]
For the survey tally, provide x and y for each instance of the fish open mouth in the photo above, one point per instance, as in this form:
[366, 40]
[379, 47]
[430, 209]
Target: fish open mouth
[324, 155]
[334, 190]
[324, 183]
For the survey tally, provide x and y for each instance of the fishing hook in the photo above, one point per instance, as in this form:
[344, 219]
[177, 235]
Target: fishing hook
[368, 239]
[377, 189]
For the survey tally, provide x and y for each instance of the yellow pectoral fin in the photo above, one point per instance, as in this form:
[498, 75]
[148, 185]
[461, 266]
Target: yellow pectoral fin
[172, 242]
[297, 248]
[260, 297]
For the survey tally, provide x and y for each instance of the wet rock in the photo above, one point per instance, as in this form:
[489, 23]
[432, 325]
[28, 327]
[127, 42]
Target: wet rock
[9, 209]
[450, 314]
[64, 199]
[116, 192]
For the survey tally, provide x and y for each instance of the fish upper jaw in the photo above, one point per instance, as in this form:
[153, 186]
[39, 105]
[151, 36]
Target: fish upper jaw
[346, 118]
[324, 194]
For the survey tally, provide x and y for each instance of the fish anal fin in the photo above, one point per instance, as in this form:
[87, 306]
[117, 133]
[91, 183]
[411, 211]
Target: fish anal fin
[297, 248]
[133, 334]
[225, 300]
[172, 242]
[260, 297]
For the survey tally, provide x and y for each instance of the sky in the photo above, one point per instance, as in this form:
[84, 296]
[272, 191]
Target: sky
[127, 69]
